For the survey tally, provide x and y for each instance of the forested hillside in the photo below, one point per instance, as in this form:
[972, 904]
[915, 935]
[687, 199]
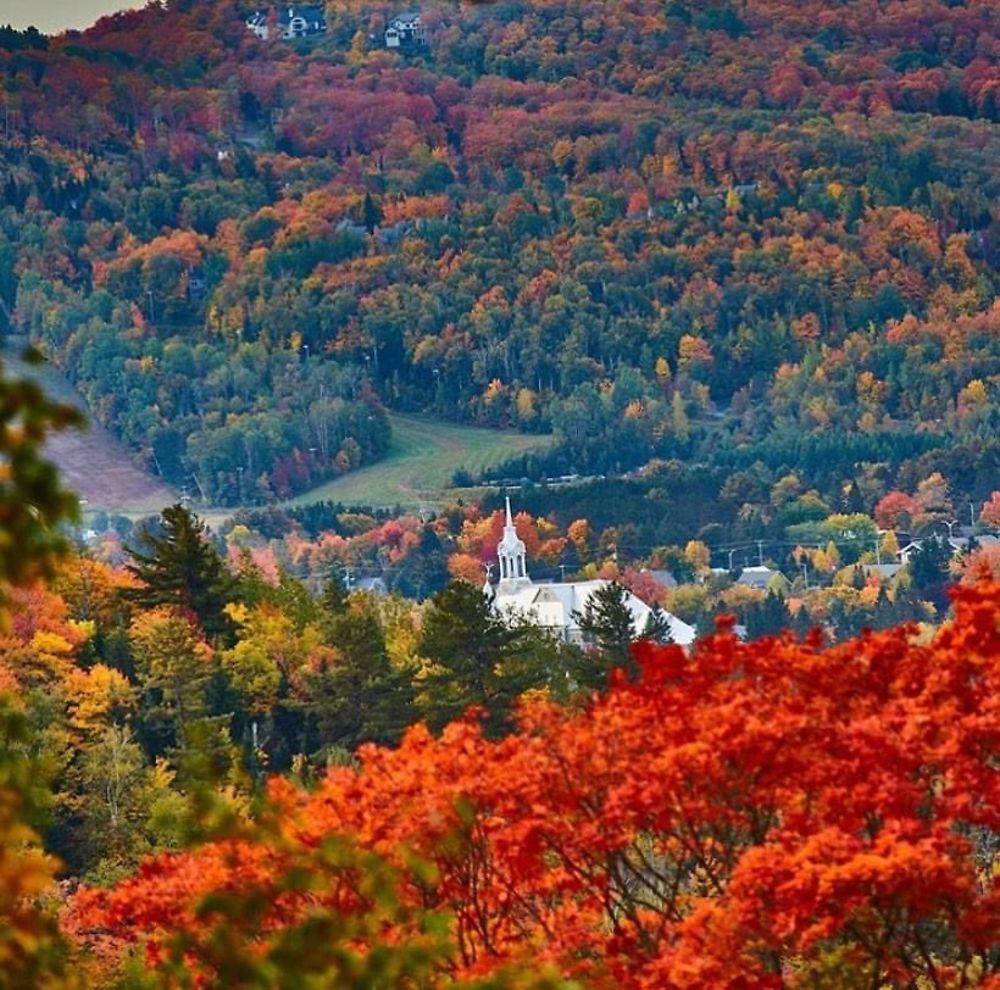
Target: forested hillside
[697, 230]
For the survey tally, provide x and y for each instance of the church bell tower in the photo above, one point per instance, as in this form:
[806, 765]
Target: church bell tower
[511, 554]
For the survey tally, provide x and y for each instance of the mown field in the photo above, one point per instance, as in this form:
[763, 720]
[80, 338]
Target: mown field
[95, 465]
[423, 457]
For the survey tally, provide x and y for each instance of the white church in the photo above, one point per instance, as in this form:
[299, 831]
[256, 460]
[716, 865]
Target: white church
[554, 605]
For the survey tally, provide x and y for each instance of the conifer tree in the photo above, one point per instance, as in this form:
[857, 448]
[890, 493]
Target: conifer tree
[358, 696]
[478, 658]
[180, 567]
[767, 618]
[657, 626]
[928, 568]
[335, 596]
[607, 623]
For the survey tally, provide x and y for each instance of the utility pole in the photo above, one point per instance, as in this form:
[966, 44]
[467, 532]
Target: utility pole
[760, 552]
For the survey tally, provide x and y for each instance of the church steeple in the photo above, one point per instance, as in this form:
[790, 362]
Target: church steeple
[511, 554]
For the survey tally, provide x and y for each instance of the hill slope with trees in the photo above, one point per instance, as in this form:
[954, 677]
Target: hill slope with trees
[677, 230]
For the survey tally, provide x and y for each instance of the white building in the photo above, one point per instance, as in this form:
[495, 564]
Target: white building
[555, 605]
[405, 29]
[289, 22]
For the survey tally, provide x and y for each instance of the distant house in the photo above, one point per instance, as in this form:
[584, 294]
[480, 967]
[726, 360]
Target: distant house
[886, 573]
[291, 22]
[348, 226]
[405, 29]
[663, 578]
[372, 585]
[762, 578]
[956, 545]
[197, 286]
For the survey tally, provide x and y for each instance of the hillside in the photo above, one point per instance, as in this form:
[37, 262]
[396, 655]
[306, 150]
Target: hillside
[91, 461]
[707, 232]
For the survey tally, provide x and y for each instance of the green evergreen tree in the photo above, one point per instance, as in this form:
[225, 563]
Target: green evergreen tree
[657, 626]
[371, 213]
[359, 696]
[767, 618]
[928, 566]
[335, 595]
[478, 659]
[607, 624]
[179, 566]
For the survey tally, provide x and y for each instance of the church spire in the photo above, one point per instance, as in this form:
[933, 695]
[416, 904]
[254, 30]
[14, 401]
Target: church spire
[511, 553]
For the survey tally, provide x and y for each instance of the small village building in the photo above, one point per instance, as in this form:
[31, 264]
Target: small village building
[763, 579]
[886, 573]
[405, 29]
[372, 585]
[557, 605]
[289, 23]
[956, 545]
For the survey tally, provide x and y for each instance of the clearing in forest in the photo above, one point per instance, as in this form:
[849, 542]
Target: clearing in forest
[417, 470]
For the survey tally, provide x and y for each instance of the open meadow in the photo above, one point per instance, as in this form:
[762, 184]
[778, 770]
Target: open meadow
[422, 459]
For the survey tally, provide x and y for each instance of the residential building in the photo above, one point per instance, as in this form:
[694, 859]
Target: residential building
[405, 29]
[288, 22]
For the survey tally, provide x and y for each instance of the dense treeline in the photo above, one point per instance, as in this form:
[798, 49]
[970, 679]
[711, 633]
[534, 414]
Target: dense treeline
[655, 229]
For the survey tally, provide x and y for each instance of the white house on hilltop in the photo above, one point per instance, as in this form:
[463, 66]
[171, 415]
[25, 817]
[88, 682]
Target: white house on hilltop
[554, 605]
[291, 22]
[405, 29]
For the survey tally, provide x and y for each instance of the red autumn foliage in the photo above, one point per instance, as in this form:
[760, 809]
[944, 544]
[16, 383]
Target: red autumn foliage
[752, 815]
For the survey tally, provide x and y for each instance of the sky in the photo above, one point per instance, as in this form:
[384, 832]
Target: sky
[53, 16]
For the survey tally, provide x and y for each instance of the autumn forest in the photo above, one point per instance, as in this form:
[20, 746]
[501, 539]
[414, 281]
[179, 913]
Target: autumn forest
[734, 265]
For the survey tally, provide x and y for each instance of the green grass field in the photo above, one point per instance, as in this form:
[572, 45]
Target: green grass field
[422, 458]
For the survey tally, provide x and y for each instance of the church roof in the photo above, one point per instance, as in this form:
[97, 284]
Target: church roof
[552, 605]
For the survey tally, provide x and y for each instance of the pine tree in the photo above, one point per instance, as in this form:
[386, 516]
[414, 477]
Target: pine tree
[358, 696]
[767, 618]
[180, 567]
[606, 622]
[335, 595]
[657, 626]
[928, 568]
[371, 214]
[478, 659]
